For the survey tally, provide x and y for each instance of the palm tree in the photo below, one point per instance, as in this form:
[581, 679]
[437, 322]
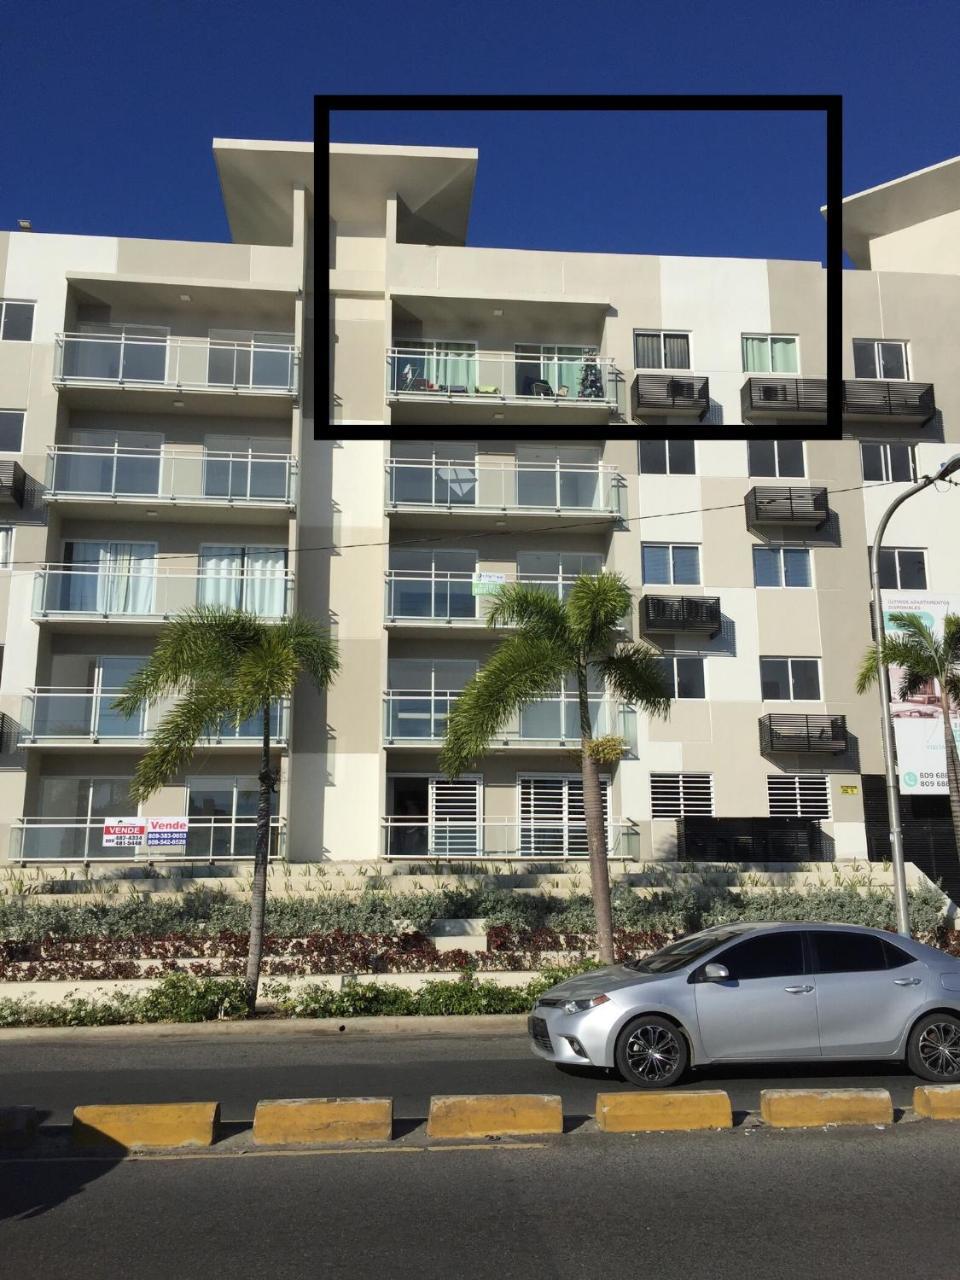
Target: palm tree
[925, 658]
[224, 664]
[553, 639]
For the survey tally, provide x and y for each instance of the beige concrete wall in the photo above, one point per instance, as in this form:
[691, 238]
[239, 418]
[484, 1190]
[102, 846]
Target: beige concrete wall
[931, 245]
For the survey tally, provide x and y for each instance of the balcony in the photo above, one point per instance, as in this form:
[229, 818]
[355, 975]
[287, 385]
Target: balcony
[59, 839]
[139, 598]
[13, 483]
[682, 613]
[100, 481]
[549, 384]
[420, 837]
[787, 505]
[416, 601]
[209, 375]
[414, 718]
[676, 396]
[749, 840]
[816, 733]
[804, 398]
[906, 401]
[70, 718]
[506, 494]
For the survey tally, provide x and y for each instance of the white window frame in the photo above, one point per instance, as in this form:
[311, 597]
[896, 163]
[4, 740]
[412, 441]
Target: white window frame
[431, 780]
[23, 302]
[16, 453]
[782, 585]
[669, 472]
[759, 373]
[798, 796]
[606, 802]
[7, 532]
[776, 458]
[671, 547]
[885, 446]
[693, 657]
[896, 559]
[694, 795]
[799, 657]
[892, 342]
[663, 367]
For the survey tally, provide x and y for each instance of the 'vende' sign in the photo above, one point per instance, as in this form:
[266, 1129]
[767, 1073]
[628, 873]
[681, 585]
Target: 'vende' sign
[167, 831]
[123, 832]
[154, 832]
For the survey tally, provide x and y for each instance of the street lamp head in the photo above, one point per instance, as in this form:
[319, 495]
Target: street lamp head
[948, 468]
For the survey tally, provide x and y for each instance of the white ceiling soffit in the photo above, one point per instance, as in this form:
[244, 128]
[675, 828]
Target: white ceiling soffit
[436, 183]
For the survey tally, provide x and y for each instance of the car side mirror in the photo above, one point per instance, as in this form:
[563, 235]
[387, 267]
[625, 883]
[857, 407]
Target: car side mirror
[715, 972]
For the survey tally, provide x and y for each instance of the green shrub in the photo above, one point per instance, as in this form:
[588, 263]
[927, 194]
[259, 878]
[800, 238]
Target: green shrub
[181, 997]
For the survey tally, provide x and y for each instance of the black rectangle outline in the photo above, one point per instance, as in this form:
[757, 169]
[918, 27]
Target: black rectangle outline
[830, 104]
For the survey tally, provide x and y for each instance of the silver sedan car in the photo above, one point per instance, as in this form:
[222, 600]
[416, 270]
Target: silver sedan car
[759, 993]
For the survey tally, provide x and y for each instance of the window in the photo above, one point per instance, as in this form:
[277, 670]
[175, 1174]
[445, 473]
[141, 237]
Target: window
[551, 813]
[781, 567]
[673, 563]
[421, 692]
[11, 430]
[250, 578]
[790, 679]
[656, 349]
[879, 359]
[775, 457]
[887, 461]
[431, 583]
[681, 795]
[683, 677]
[104, 577]
[668, 458]
[798, 795]
[223, 816]
[895, 957]
[679, 954]
[16, 320]
[6, 545]
[430, 813]
[769, 353]
[835, 951]
[772, 955]
[903, 569]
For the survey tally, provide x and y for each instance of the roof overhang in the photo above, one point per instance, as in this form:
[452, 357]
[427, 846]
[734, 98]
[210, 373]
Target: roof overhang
[892, 206]
[258, 180]
[435, 183]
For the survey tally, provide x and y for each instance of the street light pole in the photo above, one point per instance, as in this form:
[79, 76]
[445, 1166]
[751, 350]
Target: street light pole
[883, 681]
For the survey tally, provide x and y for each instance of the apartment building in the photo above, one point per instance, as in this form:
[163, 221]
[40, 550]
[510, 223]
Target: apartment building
[168, 455]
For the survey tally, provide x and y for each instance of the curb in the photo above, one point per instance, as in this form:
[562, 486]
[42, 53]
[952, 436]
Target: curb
[495, 1115]
[312, 1121]
[812, 1108]
[162, 1124]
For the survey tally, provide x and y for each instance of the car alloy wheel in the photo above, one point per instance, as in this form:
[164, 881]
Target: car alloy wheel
[939, 1049]
[652, 1053]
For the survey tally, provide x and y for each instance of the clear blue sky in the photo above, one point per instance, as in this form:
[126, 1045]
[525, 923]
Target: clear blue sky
[107, 109]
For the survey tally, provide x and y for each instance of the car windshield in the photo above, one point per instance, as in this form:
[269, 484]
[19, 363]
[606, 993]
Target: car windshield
[684, 952]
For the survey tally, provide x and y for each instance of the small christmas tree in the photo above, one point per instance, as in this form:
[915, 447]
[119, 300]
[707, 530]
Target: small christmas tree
[591, 382]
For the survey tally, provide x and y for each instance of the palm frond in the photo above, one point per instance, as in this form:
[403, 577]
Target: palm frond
[177, 734]
[867, 674]
[634, 675]
[951, 638]
[595, 608]
[530, 607]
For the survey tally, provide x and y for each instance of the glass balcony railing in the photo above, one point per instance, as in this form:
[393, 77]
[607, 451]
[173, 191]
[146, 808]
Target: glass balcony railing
[412, 716]
[456, 598]
[64, 839]
[189, 364]
[504, 486]
[68, 715]
[147, 591]
[556, 375]
[170, 475]
[421, 837]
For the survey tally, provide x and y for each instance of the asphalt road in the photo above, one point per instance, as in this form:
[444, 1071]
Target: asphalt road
[856, 1203]
[57, 1075]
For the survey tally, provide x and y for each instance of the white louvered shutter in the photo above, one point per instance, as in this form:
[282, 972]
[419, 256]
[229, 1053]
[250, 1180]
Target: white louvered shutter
[455, 817]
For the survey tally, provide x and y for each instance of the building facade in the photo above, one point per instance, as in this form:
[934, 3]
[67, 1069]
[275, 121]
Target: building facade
[165, 401]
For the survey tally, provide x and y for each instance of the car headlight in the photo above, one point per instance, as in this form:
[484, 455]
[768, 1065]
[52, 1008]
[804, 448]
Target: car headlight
[579, 1006]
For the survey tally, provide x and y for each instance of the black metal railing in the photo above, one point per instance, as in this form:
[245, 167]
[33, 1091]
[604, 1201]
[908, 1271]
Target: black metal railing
[784, 395]
[881, 399]
[749, 840]
[786, 505]
[13, 483]
[793, 732]
[682, 613]
[670, 392]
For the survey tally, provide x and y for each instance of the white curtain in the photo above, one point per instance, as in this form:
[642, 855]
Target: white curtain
[126, 581]
[221, 570]
[264, 587]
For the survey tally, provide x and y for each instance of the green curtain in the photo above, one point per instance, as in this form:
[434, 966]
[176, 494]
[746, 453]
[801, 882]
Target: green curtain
[783, 355]
[756, 355]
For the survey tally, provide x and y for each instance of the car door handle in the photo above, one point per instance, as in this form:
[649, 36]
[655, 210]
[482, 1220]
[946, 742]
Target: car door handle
[907, 982]
[795, 991]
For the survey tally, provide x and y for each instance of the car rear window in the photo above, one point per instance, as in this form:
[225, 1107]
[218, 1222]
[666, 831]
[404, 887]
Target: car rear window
[840, 952]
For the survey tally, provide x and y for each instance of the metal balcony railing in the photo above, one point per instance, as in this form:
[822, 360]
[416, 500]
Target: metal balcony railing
[503, 486]
[467, 375]
[682, 613]
[749, 840]
[411, 716]
[905, 400]
[784, 396]
[13, 483]
[457, 599]
[670, 393]
[792, 732]
[57, 839]
[170, 475]
[420, 837]
[147, 591]
[68, 716]
[787, 505]
[166, 361]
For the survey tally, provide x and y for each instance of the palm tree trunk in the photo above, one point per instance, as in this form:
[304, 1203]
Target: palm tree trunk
[953, 765]
[258, 892]
[596, 835]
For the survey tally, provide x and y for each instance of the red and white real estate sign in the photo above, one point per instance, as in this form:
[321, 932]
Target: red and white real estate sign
[123, 832]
